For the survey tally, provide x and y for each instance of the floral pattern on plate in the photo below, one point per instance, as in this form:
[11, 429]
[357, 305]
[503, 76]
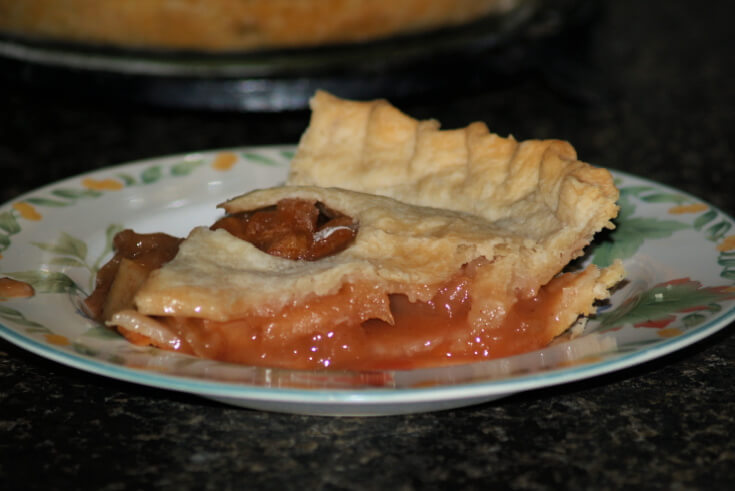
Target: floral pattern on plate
[679, 253]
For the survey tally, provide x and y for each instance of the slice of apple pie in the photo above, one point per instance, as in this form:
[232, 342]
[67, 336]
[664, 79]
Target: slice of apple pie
[394, 244]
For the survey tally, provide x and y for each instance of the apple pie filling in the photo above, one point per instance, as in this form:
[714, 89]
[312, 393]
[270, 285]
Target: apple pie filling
[293, 229]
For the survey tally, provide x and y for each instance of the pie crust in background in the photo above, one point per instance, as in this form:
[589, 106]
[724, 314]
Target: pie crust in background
[235, 25]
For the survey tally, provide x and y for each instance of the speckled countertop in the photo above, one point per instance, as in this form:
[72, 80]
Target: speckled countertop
[647, 89]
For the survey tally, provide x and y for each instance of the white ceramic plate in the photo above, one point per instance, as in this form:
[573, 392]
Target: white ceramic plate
[679, 253]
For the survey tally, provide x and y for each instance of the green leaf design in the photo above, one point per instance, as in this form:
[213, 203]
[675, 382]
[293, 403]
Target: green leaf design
[67, 261]
[605, 253]
[151, 174]
[259, 159]
[185, 167]
[635, 190]
[9, 223]
[627, 208]
[102, 332]
[727, 259]
[83, 349]
[48, 202]
[288, 154]
[636, 345]
[38, 329]
[704, 219]
[718, 231]
[630, 235]
[4, 242]
[110, 233]
[664, 300]
[127, 179]
[46, 281]
[664, 198]
[714, 307]
[16, 316]
[694, 319]
[649, 228]
[74, 194]
[66, 245]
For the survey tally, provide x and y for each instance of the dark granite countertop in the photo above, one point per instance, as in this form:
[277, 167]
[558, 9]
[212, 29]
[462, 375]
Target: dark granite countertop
[647, 88]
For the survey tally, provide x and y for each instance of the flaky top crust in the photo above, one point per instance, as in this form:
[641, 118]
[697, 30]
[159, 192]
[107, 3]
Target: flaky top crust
[534, 187]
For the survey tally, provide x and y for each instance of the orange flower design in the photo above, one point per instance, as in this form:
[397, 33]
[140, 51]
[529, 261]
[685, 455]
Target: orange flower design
[224, 161]
[681, 209]
[27, 211]
[57, 339]
[670, 332]
[728, 244]
[102, 184]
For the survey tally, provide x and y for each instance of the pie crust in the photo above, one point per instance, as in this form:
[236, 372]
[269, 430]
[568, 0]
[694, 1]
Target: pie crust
[542, 204]
[460, 211]
[227, 25]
